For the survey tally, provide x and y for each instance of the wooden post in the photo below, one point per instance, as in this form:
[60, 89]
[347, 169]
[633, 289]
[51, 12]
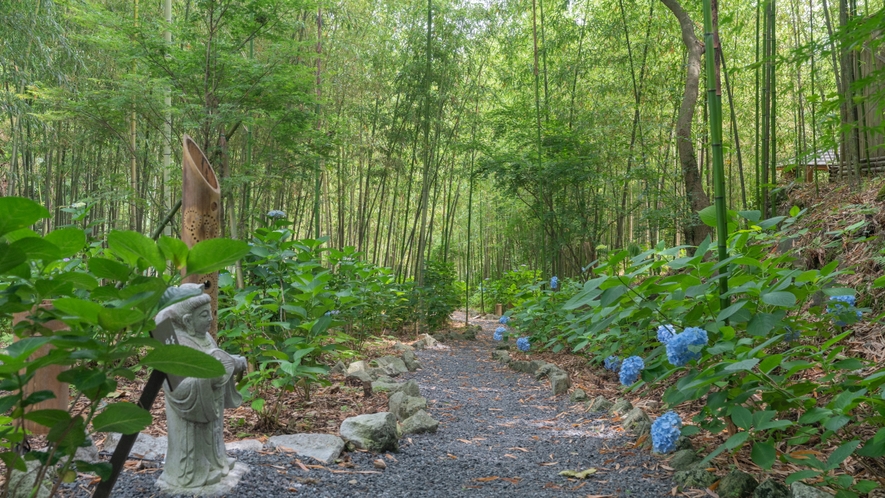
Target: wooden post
[200, 204]
[499, 309]
[46, 378]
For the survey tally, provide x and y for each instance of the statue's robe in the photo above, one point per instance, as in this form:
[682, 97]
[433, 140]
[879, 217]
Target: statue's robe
[195, 420]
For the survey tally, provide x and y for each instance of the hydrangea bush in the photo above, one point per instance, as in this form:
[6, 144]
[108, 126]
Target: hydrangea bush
[630, 370]
[500, 333]
[612, 363]
[665, 431]
[686, 346]
[523, 344]
[747, 366]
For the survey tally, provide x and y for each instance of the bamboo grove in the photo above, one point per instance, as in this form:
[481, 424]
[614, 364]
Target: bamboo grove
[489, 134]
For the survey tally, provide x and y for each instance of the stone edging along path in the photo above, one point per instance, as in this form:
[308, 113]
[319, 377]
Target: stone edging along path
[498, 432]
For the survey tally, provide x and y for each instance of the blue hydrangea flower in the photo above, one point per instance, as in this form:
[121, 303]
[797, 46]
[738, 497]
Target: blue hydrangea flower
[276, 213]
[332, 313]
[499, 333]
[665, 430]
[665, 333]
[630, 369]
[612, 363]
[554, 282]
[839, 305]
[504, 319]
[791, 335]
[678, 352]
[523, 344]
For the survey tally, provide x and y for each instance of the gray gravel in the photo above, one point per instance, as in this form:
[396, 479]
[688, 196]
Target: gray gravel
[500, 433]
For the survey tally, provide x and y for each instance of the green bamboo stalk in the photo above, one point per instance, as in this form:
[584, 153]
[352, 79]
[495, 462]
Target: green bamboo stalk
[714, 104]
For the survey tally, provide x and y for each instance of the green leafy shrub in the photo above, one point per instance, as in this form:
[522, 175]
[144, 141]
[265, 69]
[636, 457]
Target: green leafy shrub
[107, 298]
[776, 369]
[439, 296]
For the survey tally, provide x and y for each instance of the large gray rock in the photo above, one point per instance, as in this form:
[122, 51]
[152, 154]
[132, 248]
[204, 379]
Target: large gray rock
[89, 453]
[404, 406]
[578, 396]
[599, 404]
[410, 360]
[419, 423]
[425, 341]
[620, 407]
[360, 376]
[357, 366]
[545, 369]
[695, 478]
[737, 484]
[147, 447]
[373, 432]
[771, 489]
[385, 383]
[635, 417]
[402, 347]
[522, 366]
[244, 445]
[801, 490]
[684, 459]
[390, 365]
[501, 356]
[409, 387]
[560, 382]
[323, 447]
[338, 368]
[21, 484]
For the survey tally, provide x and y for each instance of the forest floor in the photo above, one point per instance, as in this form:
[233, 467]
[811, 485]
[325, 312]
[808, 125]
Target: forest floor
[500, 432]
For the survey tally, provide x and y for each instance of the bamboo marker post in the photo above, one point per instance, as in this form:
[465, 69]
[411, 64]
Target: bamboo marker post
[200, 204]
[46, 378]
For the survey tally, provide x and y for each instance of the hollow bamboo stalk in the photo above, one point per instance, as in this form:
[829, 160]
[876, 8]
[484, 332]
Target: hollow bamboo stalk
[200, 202]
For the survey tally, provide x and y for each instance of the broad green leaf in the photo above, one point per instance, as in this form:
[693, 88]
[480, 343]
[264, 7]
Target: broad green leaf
[736, 440]
[19, 212]
[48, 418]
[611, 295]
[183, 361]
[875, 446]
[130, 246]
[780, 298]
[741, 365]
[708, 216]
[731, 310]
[36, 248]
[83, 378]
[114, 319]
[770, 362]
[25, 347]
[109, 269]
[849, 364]
[841, 453]
[122, 417]
[879, 282]
[214, 254]
[763, 455]
[798, 476]
[14, 461]
[763, 323]
[174, 250]
[79, 280]
[10, 257]
[751, 216]
[101, 469]
[741, 417]
[815, 415]
[80, 309]
[69, 240]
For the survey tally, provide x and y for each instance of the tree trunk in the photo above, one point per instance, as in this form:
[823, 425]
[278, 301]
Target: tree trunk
[695, 231]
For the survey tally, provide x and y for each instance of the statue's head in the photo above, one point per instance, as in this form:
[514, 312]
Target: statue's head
[194, 314]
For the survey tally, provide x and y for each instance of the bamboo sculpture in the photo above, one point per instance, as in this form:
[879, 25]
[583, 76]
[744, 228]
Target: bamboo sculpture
[200, 203]
[46, 378]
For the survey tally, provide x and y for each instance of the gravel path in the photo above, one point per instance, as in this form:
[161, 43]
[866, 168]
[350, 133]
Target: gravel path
[500, 433]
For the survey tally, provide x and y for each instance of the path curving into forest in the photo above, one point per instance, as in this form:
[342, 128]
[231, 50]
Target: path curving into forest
[501, 433]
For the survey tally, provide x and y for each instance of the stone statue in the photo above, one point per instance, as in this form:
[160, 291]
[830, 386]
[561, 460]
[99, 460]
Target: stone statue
[196, 457]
